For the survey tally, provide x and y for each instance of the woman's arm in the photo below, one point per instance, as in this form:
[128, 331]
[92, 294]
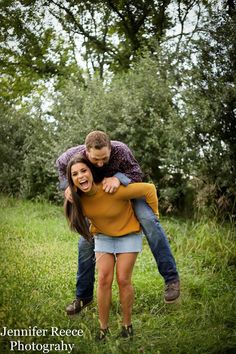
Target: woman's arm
[138, 190]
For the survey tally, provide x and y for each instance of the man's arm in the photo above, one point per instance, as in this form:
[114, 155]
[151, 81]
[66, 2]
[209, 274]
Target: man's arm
[128, 168]
[129, 165]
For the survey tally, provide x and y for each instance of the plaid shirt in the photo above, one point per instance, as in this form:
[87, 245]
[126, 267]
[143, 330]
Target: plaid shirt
[121, 161]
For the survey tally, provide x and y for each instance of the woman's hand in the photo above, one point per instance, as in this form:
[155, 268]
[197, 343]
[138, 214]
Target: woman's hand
[68, 195]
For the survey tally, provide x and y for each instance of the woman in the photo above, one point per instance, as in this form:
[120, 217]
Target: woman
[116, 231]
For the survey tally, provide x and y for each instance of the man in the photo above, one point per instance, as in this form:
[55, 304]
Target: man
[115, 164]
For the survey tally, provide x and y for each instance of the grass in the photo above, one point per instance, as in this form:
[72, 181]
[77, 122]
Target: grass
[38, 263]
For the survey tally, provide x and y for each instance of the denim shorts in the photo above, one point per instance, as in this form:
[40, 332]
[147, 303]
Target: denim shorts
[122, 244]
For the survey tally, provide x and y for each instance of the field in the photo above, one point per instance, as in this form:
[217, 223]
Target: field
[38, 262]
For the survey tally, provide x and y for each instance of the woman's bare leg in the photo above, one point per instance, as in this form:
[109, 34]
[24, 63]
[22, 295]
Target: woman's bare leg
[105, 264]
[124, 268]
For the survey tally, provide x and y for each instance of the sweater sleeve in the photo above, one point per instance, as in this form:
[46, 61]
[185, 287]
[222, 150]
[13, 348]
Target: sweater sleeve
[138, 190]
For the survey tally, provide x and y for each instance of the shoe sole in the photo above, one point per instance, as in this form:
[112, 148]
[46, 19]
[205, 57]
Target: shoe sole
[171, 301]
[77, 313]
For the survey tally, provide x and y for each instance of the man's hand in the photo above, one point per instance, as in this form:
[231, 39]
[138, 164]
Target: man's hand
[68, 195]
[110, 184]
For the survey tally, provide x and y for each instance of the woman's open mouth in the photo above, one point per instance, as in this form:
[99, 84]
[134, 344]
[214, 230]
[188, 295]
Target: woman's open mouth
[84, 185]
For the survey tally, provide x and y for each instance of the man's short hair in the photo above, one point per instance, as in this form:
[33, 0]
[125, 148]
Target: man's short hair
[97, 140]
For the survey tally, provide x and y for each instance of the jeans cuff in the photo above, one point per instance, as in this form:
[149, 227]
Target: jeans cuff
[84, 298]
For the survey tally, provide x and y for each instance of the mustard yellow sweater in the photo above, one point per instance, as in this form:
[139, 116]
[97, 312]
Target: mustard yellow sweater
[112, 214]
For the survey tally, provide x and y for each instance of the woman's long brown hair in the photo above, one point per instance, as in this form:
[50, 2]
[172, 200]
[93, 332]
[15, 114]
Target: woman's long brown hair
[74, 211]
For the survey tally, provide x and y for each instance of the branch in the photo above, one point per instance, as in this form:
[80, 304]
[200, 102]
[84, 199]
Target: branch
[78, 28]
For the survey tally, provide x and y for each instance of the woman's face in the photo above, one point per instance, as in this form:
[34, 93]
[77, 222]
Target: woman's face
[82, 177]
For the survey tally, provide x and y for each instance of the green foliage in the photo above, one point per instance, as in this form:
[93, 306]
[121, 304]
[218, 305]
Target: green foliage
[112, 33]
[31, 50]
[38, 263]
[39, 178]
[210, 100]
[27, 155]
[14, 129]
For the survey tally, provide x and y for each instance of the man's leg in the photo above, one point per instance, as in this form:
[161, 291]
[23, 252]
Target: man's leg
[160, 248]
[84, 278]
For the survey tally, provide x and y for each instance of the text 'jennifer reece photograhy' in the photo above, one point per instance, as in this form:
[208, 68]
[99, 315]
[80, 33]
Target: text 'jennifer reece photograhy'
[14, 339]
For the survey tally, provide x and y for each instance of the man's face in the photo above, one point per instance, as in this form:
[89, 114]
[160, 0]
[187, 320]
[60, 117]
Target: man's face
[99, 157]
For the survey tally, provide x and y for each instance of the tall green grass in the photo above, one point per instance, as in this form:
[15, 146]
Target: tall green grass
[38, 263]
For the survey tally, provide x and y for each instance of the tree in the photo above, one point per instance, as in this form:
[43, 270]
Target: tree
[211, 108]
[31, 50]
[111, 34]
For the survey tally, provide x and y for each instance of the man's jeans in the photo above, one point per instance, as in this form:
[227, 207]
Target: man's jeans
[86, 269]
[157, 241]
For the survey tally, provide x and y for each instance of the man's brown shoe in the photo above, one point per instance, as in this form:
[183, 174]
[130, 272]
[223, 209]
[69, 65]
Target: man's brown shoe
[172, 292]
[77, 306]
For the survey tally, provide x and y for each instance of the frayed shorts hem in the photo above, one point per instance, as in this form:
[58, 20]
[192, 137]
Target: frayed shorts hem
[122, 244]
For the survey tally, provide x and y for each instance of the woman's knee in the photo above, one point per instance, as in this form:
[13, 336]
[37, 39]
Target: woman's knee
[105, 280]
[123, 281]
